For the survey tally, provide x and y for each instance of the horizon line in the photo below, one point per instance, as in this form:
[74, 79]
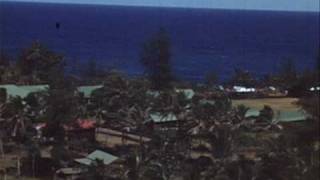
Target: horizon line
[162, 6]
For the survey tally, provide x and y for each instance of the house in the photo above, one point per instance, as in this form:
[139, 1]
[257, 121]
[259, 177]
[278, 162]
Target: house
[207, 102]
[188, 93]
[161, 121]
[81, 129]
[112, 138]
[81, 124]
[291, 116]
[23, 91]
[167, 125]
[242, 92]
[281, 116]
[242, 89]
[88, 90]
[105, 157]
[68, 174]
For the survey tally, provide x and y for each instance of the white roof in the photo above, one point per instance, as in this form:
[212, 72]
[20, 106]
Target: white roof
[243, 89]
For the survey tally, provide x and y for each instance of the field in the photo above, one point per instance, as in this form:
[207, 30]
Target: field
[277, 104]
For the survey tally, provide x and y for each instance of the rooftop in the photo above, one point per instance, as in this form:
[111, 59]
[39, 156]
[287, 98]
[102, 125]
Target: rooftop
[159, 118]
[88, 90]
[23, 91]
[97, 155]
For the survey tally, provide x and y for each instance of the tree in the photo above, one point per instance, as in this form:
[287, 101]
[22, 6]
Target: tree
[3, 95]
[266, 113]
[4, 60]
[241, 111]
[4, 65]
[40, 64]
[156, 57]
[91, 73]
[310, 104]
[243, 78]
[288, 74]
[211, 79]
[59, 154]
[62, 109]
[96, 170]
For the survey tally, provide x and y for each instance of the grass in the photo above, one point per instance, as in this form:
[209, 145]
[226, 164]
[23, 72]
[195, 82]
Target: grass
[277, 104]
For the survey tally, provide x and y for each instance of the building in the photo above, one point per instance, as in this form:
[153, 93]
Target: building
[112, 138]
[161, 121]
[23, 91]
[88, 90]
[105, 157]
[188, 93]
[68, 174]
[281, 116]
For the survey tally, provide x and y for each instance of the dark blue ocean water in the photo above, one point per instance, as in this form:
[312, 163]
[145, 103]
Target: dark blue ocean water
[203, 40]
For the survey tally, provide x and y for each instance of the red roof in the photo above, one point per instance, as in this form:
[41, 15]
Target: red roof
[80, 124]
[86, 123]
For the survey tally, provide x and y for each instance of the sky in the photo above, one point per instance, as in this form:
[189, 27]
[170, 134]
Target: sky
[283, 5]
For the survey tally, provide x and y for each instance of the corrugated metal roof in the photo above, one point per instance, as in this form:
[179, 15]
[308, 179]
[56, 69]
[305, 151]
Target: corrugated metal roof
[153, 93]
[87, 90]
[97, 154]
[22, 91]
[35, 88]
[69, 171]
[291, 116]
[158, 117]
[106, 157]
[281, 116]
[188, 93]
[210, 102]
[84, 161]
[252, 112]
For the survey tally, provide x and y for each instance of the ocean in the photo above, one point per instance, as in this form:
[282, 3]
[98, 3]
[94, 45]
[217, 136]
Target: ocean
[202, 40]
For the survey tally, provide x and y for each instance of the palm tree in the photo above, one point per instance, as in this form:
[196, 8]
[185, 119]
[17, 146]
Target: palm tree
[40, 63]
[150, 164]
[96, 170]
[241, 112]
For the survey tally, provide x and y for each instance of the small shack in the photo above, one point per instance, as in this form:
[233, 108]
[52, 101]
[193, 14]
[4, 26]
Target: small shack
[68, 174]
[105, 157]
[161, 121]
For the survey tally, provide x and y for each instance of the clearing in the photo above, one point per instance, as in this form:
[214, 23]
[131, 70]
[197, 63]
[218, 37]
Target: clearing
[277, 104]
